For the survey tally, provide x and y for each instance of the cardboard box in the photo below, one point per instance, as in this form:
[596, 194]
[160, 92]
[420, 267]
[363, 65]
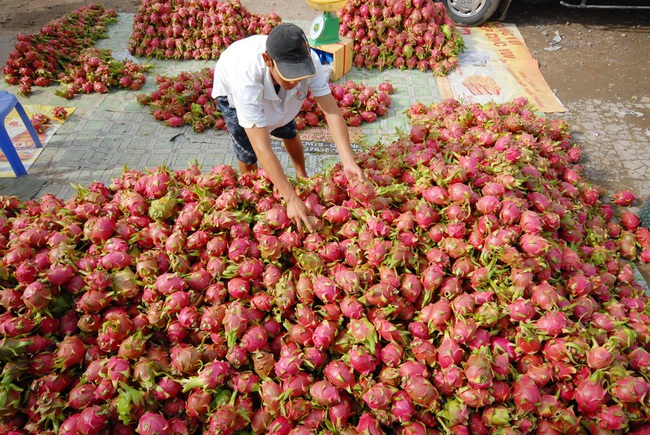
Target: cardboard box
[338, 55]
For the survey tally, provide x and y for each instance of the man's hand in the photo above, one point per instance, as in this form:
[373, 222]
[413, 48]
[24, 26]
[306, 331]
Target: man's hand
[352, 171]
[341, 136]
[299, 214]
[296, 209]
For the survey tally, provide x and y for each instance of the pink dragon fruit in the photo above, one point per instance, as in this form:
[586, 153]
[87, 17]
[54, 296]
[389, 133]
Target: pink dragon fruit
[70, 352]
[590, 395]
[324, 334]
[623, 198]
[402, 406]
[235, 321]
[421, 391]
[449, 351]
[324, 393]
[552, 323]
[340, 374]
[368, 424]
[612, 418]
[280, 426]
[340, 413]
[297, 385]
[449, 379]
[526, 394]
[630, 389]
[478, 369]
[363, 331]
[599, 357]
[326, 289]
[152, 423]
[288, 364]
[210, 376]
[378, 396]
[92, 420]
[361, 360]
[166, 388]
[254, 338]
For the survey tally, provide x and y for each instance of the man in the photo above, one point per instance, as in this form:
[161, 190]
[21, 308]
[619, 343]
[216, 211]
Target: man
[260, 83]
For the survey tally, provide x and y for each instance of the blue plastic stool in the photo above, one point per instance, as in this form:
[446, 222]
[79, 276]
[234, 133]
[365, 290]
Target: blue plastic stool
[7, 103]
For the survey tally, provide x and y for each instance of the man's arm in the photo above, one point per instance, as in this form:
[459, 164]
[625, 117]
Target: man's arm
[296, 210]
[340, 135]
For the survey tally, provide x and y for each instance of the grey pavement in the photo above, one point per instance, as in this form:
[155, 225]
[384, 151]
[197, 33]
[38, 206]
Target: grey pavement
[615, 142]
[108, 132]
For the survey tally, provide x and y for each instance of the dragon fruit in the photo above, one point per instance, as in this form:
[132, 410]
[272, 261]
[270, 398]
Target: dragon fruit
[378, 396]
[324, 393]
[362, 360]
[92, 420]
[340, 374]
[590, 395]
[630, 389]
[623, 198]
[210, 376]
[526, 394]
[612, 418]
[70, 352]
[421, 391]
[478, 369]
[151, 423]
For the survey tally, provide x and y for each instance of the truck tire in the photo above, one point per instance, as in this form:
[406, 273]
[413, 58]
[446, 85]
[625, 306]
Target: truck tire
[470, 12]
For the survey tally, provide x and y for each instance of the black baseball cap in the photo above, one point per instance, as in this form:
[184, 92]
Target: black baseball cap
[287, 45]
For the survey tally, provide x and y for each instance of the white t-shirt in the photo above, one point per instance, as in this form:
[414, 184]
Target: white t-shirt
[241, 75]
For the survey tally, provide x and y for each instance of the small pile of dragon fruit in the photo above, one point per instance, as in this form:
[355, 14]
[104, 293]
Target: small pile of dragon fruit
[97, 71]
[193, 29]
[358, 104]
[40, 58]
[41, 121]
[404, 34]
[185, 100]
[475, 283]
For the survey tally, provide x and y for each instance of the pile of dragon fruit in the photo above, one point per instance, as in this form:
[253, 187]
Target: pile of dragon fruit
[185, 99]
[404, 34]
[41, 58]
[97, 71]
[193, 29]
[358, 104]
[475, 283]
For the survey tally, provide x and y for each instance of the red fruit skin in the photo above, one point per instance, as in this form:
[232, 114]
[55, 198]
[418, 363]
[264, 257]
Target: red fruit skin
[369, 425]
[386, 87]
[630, 389]
[590, 396]
[92, 420]
[624, 198]
[527, 395]
[418, 133]
[354, 120]
[70, 351]
[368, 116]
[174, 121]
[152, 423]
[324, 393]
[630, 221]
